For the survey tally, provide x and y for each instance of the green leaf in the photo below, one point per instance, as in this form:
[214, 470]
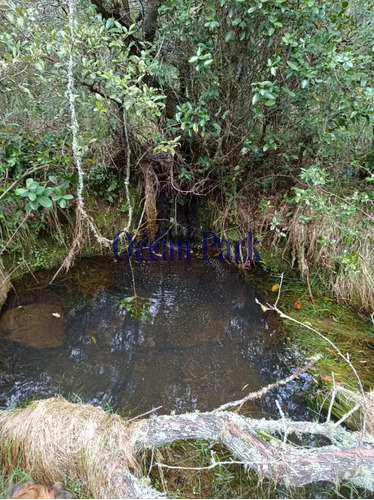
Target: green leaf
[21, 192]
[29, 182]
[45, 202]
[229, 36]
[39, 65]
[304, 83]
[68, 197]
[32, 196]
[293, 66]
[33, 204]
[53, 179]
[255, 98]
[217, 127]
[109, 23]
[62, 203]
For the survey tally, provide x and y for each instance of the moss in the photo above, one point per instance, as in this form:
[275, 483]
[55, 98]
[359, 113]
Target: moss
[350, 331]
[272, 262]
[204, 210]
[48, 252]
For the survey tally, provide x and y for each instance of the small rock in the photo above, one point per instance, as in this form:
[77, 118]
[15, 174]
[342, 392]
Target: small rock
[35, 325]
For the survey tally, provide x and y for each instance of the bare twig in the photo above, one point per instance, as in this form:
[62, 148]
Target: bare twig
[348, 414]
[258, 394]
[333, 396]
[304, 325]
[279, 290]
[284, 421]
[144, 414]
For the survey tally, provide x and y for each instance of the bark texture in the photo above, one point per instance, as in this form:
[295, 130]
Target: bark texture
[84, 442]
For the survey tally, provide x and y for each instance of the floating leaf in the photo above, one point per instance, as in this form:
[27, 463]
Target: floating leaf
[297, 304]
[275, 287]
[56, 315]
[245, 386]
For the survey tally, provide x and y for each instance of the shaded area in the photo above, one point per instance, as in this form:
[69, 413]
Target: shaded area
[204, 341]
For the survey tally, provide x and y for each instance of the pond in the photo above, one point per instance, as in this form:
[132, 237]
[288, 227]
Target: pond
[205, 341]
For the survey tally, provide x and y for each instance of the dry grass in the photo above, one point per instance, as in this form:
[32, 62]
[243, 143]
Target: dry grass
[87, 449]
[325, 242]
[365, 414]
[347, 265]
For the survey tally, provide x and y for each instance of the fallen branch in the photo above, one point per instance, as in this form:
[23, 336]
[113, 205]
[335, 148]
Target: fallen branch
[54, 438]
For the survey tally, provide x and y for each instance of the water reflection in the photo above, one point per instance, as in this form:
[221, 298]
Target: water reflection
[205, 338]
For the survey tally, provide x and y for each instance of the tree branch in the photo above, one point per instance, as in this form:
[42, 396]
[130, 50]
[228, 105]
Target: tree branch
[52, 437]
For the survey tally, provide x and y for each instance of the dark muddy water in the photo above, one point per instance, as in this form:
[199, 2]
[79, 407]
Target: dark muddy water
[205, 339]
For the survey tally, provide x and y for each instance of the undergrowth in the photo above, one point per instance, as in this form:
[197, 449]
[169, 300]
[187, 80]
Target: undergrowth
[225, 481]
[352, 332]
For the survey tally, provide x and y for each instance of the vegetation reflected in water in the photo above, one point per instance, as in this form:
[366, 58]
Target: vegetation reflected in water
[204, 342]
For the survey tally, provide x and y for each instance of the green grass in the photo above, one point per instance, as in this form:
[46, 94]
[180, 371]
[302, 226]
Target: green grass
[19, 475]
[226, 481]
[349, 330]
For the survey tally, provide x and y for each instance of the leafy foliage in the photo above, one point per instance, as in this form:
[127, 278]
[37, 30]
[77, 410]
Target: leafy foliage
[266, 104]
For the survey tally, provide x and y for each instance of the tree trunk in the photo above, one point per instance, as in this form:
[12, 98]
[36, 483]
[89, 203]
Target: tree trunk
[118, 9]
[54, 437]
[150, 19]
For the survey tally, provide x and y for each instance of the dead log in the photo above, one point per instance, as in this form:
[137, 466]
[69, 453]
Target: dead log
[52, 437]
